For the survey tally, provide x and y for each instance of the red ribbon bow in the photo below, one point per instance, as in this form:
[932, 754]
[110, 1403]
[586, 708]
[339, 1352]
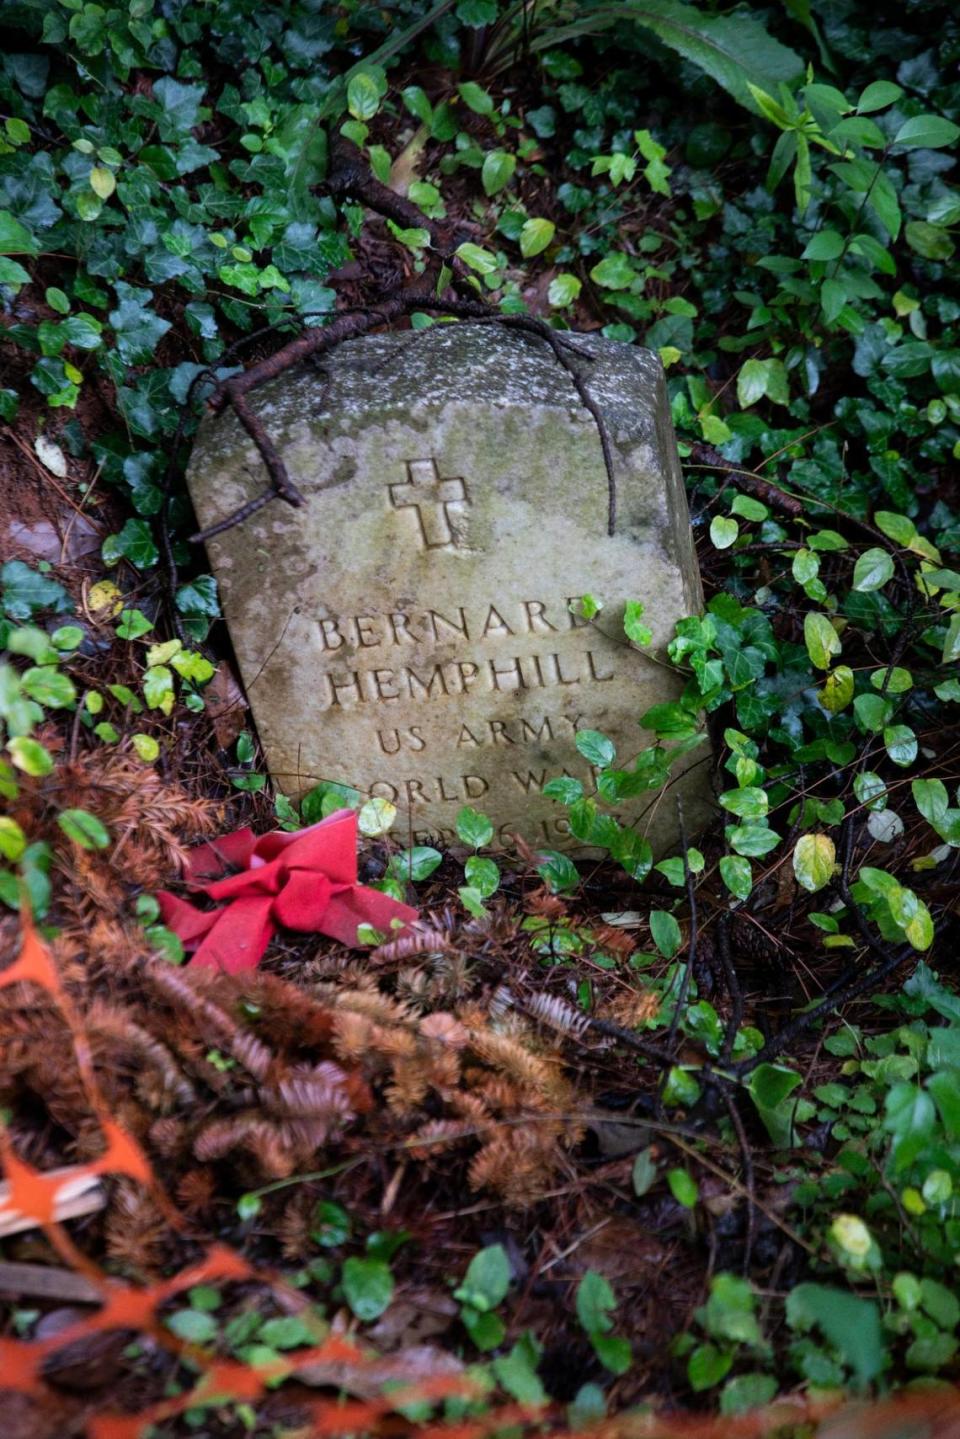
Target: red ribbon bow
[306, 880]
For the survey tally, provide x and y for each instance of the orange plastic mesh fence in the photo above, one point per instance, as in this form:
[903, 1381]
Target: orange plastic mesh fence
[35, 1194]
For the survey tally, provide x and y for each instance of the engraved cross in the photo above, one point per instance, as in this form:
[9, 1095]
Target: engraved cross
[432, 498]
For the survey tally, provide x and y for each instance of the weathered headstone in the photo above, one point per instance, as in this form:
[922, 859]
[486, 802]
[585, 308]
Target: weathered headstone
[409, 630]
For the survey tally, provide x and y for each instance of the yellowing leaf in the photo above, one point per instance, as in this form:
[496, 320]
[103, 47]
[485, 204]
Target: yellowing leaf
[105, 595]
[821, 639]
[102, 181]
[813, 861]
[837, 690]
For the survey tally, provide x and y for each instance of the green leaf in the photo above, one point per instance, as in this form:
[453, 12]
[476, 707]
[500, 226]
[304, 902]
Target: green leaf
[927, 132]
[901, 744]
[13, 841]
[30, 756]
[596, 1303]
[821, 639]
[487, 1279]
[15, 239]
[748, 802]
[814, 857]
[367, 1286]
[683, 1187]
[84, 828]
[735, 50]
[931, 798]
[614, 272]
[723, 532]
[746, 1392]
[133, 625]
[771, 1086]
[850, 1324]
[759, 378]
[565, 789]
[838, 689]
[665, 932]
[558, 871]
[476, 98]
[564, 289]
[477, 258]
[363, 95]
[24, 591]
[877, 96]
[67, 637]
[48, 687]
[497, 172]
[473, 828]
[158, 688]
[931, 242]
[826, 245]
[737, 875]
[613, 1351]
[596, 748]
[414, 865]
[708, 1366]
[644, 1173]
[535, 236]
[951, 644]
[134, 543]
[634, 628]
[193, 1326]
[872, 570]
[482, 875]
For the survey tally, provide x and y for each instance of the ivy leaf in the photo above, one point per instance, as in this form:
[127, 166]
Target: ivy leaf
[535, 237]
[24, 591]
[633, 627]
[814, 857]
[134, 543]
[138, 329]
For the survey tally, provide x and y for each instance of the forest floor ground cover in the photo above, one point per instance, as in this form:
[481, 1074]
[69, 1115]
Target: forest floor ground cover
[581, 1146]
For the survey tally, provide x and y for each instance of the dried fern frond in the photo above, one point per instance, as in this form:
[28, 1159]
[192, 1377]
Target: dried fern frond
[418, 939]
[551, 1010]
[115, 1023]
[501, 1051]
[438, 1135]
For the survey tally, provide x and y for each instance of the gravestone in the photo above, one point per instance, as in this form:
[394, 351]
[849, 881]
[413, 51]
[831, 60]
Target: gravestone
[413, 629]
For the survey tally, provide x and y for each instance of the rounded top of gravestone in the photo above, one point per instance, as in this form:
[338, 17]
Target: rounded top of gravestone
[495, 363]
